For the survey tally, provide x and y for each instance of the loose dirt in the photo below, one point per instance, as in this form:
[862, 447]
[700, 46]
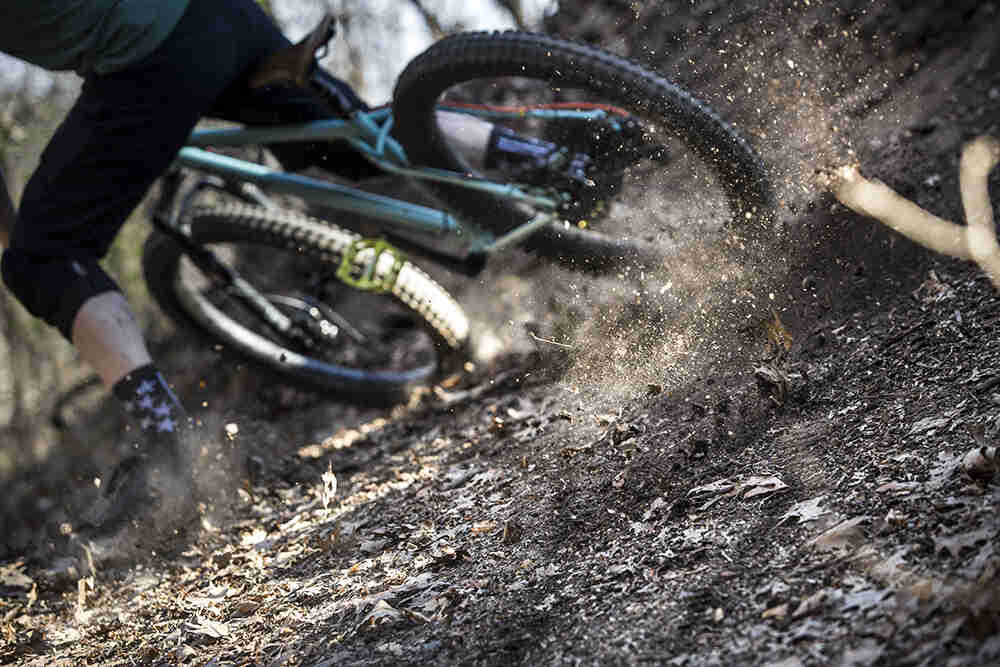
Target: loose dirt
[786, 489]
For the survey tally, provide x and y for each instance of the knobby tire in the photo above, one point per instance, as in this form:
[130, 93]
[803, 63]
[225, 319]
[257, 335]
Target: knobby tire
[426, 301]
[470, 56]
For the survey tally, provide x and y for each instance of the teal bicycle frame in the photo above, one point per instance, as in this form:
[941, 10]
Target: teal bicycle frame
[368, 133]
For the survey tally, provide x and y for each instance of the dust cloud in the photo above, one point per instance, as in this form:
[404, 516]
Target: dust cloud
[802, 89]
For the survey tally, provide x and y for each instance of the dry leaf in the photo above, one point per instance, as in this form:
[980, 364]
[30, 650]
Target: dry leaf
[777, 333]
[786, 662]
[81, 615]
[891, 569]
[721, 486]
[207, 627]
[844, 535]
[933, 423]
[254, 538]
[184, 653]
[9, 633]
[868, 653]
[898, 488]
[11, 575]
[694, 535]
[329, 490]
[445, 555]
[955, 543]
[570, 452]
[810, 605]
[748, 488]
[481, 527]
[512, 532]
[760, 486]
[805, 510]
[864, 599]
[246, 607]
[944, 470]
[381, 614]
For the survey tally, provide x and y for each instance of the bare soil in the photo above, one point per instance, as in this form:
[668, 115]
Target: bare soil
[786, 489]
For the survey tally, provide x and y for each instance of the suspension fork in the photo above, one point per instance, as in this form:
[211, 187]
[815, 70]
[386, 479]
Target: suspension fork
[166, 218]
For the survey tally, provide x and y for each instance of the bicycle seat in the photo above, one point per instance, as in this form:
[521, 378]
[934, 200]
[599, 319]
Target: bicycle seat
[294, 63]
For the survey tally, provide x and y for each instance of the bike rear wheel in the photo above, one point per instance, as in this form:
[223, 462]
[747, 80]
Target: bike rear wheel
[711, 178]
[361, 346]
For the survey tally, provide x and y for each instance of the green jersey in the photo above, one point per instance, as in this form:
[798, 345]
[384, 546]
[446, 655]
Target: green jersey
[89, 36]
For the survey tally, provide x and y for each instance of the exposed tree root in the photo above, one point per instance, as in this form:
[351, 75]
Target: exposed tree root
[975, 241]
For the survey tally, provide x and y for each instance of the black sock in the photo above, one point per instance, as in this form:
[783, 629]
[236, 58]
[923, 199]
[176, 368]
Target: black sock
[150, 404]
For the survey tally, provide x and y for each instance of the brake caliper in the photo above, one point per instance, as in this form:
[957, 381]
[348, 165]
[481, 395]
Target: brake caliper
[613, 143]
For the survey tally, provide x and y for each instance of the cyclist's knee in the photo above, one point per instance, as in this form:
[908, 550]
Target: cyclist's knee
[53, 288]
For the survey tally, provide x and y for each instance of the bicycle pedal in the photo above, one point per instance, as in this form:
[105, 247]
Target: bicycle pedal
[359, 266]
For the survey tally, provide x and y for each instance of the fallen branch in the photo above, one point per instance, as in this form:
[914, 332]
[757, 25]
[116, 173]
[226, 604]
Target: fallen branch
[975, 241]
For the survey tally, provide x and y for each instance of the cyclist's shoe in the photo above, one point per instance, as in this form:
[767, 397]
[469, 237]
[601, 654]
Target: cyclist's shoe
[138, 485]
[145, 502]
[146, 499]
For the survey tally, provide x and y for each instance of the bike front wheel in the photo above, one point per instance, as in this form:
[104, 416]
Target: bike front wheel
[356, 344]
[664, 167]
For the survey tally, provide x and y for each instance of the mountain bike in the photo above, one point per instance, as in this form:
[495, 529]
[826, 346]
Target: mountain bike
[351, 313]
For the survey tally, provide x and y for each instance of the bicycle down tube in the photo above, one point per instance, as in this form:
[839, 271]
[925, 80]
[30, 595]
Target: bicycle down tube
[368, 133]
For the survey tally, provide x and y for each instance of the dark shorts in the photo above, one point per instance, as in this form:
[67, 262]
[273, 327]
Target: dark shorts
[122, 134]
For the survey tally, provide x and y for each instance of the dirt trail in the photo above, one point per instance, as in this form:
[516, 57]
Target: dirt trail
[801, 502]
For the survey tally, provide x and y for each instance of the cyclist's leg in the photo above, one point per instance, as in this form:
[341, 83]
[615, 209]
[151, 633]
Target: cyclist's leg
[72, 208]
[481, 142]
[286, 104]
[122, 133]
[469, 135]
